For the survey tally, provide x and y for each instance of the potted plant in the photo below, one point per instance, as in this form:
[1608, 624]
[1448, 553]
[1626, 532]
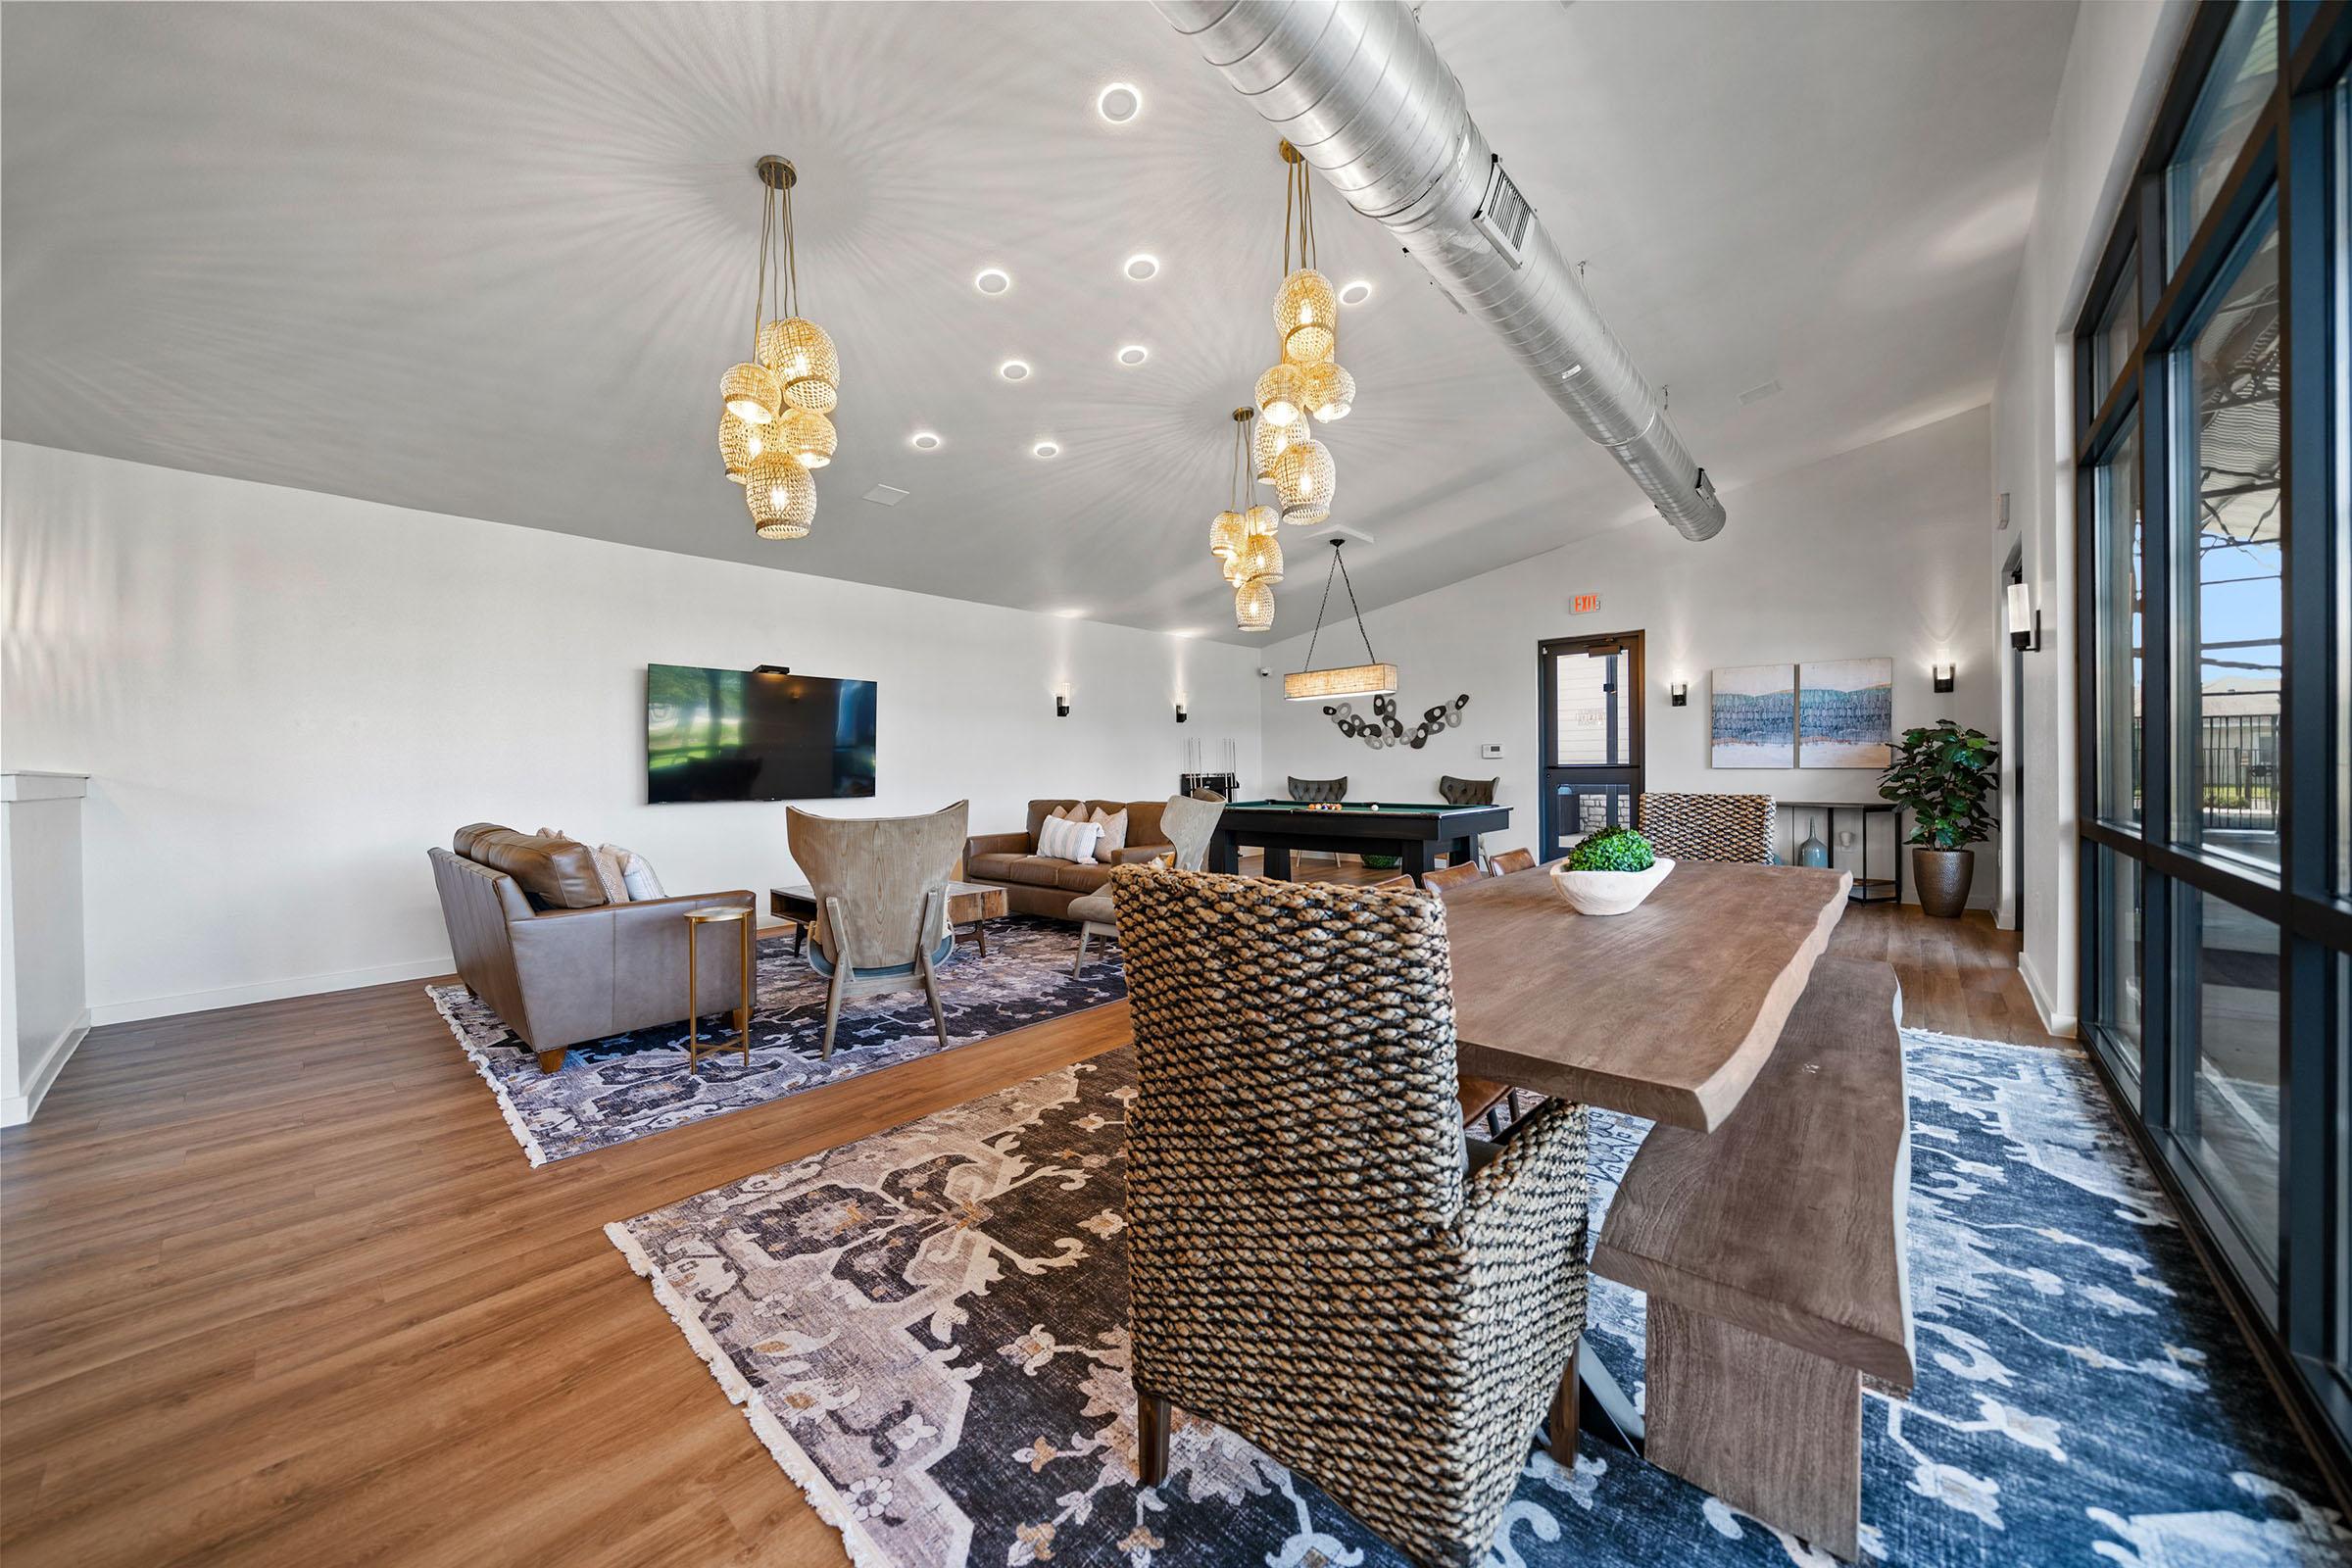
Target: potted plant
[1610, 872]
[1942, 776]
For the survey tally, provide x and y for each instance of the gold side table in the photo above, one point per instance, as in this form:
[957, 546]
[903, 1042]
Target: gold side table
[696, 920]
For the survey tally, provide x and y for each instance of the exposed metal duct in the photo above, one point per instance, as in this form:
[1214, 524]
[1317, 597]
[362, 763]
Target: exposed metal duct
[1358, 89]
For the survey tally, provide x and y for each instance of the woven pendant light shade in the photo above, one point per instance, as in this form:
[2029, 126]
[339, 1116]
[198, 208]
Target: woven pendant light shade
[1234, 576]
[1330, 391]
[1304, 313]
[1225, 535]
[1261, 558]
[802, 357]
[781, 494]
[1280, 393]
[1260, 519]
[1305, 482]
[1254, 606]
[1355, 680]
[750, 393]
[740, 445]
[1266, 447]
[807, 438]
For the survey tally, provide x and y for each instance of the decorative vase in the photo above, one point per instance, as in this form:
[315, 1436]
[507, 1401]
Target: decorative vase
[1812, 851]
[1608, 892]
[1942, 877]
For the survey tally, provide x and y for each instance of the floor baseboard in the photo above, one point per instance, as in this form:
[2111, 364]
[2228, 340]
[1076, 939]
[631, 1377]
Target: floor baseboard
[18, 1109]
[2061, 1024]
[308, 985]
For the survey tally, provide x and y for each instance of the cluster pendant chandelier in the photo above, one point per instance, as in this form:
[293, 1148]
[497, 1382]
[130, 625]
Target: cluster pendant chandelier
[1308, 381]
[773, 429]
[1247, 537]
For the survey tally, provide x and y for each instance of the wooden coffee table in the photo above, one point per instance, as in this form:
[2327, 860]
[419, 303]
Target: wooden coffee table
[970, 907]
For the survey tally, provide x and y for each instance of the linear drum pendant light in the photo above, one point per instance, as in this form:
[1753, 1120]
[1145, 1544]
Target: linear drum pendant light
[776, 403]
[1369, 679]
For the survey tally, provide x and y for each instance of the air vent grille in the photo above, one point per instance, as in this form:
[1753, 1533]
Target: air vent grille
[1504, 214]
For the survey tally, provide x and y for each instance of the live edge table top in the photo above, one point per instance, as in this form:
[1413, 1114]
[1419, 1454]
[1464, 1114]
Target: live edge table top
[1667, 1013]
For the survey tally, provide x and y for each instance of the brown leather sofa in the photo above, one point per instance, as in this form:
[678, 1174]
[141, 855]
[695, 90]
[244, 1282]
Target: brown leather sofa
[536, 940]
[1035, 885]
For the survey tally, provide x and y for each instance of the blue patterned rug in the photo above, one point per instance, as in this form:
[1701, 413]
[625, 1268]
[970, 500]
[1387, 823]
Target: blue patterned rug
[628, 1085]
[927, 1328]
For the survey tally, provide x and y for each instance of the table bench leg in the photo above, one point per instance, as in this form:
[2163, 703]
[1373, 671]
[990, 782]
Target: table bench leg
[1772, 1430]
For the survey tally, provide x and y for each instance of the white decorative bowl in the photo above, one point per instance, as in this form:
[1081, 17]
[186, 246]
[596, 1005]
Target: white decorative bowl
[1608, 892]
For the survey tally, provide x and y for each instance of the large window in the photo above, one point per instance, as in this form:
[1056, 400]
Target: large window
[2213, 462]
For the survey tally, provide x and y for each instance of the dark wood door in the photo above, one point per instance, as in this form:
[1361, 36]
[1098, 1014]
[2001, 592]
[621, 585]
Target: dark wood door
[1589, 690]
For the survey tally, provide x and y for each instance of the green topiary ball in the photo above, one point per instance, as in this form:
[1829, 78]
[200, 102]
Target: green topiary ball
[1614, 849]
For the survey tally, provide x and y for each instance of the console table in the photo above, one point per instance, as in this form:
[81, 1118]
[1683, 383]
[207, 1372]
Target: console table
[1867, 889]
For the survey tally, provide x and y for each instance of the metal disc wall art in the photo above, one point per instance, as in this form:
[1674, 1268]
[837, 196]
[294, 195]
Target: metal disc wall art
[1384, 729]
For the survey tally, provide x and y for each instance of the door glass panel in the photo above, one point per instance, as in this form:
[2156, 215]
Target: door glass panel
[2229, 965]
[2243, 76]
[2232, 528]
[1593, 725]
[1590, 807]
[2120, 967]
[2119, 649]
[2340, 261]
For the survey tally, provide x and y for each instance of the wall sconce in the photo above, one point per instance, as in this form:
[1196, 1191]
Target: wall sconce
[2025, 621]
[772, 669]
[1943, 677]
[1181, 715]
[1061, 705]
[1678, 694]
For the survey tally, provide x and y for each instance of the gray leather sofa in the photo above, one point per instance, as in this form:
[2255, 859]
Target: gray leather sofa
[536, 939]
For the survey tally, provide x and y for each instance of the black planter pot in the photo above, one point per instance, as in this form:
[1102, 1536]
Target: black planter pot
[1942, 877]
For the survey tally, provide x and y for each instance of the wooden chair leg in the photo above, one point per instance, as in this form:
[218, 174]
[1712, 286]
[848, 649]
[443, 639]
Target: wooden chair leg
[550, 1061]
[832, 1015]
[1086, 929]
[939, 1020]
[1155, 1418]
[1560, 1425]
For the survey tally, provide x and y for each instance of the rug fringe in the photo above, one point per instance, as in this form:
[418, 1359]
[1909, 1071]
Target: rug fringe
[797, 1465]
[481, 1065]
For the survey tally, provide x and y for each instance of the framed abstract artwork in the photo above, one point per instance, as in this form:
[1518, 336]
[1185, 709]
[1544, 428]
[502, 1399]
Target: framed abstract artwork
[1846, 713]
[1752, 715]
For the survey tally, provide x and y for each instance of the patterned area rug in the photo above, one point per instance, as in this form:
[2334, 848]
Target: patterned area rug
[928, 1330]
[627, 1086]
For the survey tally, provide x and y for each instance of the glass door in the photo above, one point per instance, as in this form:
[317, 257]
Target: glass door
[1589, 691]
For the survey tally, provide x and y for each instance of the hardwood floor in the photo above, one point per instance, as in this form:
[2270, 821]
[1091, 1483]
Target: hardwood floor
[276, 1286]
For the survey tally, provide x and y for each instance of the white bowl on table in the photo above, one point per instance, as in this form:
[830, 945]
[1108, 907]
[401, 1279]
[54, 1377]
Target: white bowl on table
[1608, 892]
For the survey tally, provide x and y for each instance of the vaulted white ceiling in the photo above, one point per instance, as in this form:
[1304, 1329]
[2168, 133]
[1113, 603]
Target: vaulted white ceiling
[490, 260]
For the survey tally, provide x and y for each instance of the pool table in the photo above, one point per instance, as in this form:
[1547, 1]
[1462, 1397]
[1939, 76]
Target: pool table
[1415, 834]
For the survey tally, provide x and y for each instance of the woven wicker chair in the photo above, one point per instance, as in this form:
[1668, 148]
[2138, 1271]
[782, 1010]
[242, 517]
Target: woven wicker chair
[1298, 1197]
[1735, 828]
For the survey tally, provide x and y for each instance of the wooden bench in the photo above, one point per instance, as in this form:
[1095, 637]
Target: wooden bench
[1772, 1250]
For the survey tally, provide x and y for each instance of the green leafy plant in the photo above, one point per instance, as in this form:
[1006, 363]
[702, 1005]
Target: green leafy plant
[1942, 775]
[1614, 849]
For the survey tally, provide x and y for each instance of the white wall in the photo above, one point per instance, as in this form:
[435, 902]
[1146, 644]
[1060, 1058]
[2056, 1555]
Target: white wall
[281, 698]
[45, 1008]
[2115, 74]
[1876, 551]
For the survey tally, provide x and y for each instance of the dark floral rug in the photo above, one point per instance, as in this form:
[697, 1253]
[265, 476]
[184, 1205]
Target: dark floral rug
[927, 1328]
[627, 1086]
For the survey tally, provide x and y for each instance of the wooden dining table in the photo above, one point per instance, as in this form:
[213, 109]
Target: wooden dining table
[1666, 1012]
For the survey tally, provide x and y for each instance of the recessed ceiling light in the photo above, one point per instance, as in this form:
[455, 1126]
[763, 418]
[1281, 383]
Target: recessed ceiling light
[1044, 449]
[993, 281]
[1142, 269]
[1014, 370]
[1133, 354]
[1355, 291]
[1071, 615]
[1118, 103]
[924, 441]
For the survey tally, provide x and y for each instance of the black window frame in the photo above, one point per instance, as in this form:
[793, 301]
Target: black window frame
[2294, 1315]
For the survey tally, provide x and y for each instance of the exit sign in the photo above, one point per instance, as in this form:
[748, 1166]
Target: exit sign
[1584, 604]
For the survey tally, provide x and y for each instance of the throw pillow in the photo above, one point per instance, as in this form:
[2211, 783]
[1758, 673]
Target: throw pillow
[609, 873]
[638, 872]
[1115, 830]
[1060, 838]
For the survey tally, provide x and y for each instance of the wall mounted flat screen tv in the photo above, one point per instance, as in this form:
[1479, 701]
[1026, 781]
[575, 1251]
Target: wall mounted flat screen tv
[750, 735]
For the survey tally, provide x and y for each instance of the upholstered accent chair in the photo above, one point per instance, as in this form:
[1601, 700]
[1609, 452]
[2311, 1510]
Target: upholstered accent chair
[1188, 824]
[1469, 792]
[1297, 1187]
[881, 888]
[533, 936]
[1319, 791]
[1735, 828]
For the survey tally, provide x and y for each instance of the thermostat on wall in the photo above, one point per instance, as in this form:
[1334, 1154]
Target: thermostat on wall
[1490, 749]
